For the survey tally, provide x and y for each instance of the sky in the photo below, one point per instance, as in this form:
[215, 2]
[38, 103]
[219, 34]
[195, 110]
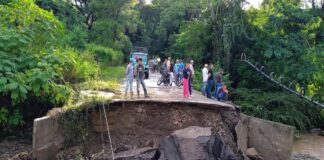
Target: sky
[254, 3]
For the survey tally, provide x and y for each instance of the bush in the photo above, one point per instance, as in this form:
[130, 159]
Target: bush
[110, 86]
[30, 70]
[112, 73]
[105, 55]
[278, 107]
[76, 67]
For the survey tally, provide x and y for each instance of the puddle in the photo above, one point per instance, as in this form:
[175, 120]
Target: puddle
[311, 144]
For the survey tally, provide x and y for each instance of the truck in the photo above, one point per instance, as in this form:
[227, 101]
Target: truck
[141, 52]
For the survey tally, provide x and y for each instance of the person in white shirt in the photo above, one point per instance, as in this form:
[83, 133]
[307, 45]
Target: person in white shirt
[168, 63]
[205, 79]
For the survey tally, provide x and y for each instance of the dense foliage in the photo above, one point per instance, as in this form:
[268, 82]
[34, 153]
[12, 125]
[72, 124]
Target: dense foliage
[30, 69]
[279, 35]
[48, 48]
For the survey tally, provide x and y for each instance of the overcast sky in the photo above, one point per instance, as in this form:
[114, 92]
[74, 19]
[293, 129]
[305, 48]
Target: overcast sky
[254, 3]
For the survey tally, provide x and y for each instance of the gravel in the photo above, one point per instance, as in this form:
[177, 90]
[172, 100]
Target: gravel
[304, 157]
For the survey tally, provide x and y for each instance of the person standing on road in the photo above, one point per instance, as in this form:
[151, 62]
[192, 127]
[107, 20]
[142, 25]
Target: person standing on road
[129, 77]
[181, 66]
[176, 71]
[205, 79]
[171, 73]
[192, 71]
[185, 80]
[139, 73]
[169, 64]
[165, 66]
[210, 80]
[219, 81]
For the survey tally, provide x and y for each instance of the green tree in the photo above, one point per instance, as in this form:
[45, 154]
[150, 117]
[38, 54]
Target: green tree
[114, 18]
[74, 21]
[31, 78]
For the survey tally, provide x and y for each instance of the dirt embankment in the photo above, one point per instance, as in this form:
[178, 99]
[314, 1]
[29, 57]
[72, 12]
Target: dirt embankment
[137, 125]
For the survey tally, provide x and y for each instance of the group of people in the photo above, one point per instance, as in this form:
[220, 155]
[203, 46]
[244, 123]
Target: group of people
[174, 71]
[188, 74]
[135, 71]
[209, 80]
[180, 68]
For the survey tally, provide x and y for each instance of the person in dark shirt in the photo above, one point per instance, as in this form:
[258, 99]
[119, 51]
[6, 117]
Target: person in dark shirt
[140, 76]
[185, 80]
[210, 80]
[171, 73]
[219, 82]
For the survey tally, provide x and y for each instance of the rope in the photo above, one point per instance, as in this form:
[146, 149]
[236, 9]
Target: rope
[279, 82]
[102, 138]
[109, 136]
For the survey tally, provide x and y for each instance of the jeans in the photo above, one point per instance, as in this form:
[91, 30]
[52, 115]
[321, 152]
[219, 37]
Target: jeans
[218, 87]
[171, 77]
[138, 82]
[204, 87]
[129, 84]
[209, 88]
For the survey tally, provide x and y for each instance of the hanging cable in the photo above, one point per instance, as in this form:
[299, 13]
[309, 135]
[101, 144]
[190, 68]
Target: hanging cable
[109, 136]
[279, 82]
[102, 137]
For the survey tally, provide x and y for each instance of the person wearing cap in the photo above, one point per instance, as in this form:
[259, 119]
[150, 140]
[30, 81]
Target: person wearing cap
[205, 79]
[129, 78]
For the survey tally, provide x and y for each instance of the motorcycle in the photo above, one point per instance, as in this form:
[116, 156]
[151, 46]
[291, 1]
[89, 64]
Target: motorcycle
[178, 80]
[165, 78]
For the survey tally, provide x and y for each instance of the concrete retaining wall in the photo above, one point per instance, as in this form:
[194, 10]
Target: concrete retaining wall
[47, 138]
[273, 141]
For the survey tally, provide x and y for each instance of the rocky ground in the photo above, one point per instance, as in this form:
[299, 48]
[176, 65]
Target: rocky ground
[304, 157]
[19, 149]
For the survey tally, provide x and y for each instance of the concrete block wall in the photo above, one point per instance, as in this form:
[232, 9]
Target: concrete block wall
[47, 138]
[272, 140]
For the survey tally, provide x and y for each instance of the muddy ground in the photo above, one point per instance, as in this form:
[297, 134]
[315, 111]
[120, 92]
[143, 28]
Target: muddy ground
[11, 147]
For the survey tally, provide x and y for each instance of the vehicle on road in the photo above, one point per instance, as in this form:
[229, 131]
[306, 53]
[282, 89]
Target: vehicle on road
[178, 79]
[165, 78]
[141, 52]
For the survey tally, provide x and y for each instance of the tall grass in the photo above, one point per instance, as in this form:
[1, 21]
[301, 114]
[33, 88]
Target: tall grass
[116, 73]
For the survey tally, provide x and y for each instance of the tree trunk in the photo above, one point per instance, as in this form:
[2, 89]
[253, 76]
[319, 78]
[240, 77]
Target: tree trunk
[212, 14]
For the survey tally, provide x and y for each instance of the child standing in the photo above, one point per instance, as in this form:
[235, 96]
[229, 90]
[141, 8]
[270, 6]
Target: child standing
[185, 79]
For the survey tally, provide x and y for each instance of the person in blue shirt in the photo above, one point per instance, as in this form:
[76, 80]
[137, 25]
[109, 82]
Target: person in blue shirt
[129, 77]
[176, 70]
[181, 66]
